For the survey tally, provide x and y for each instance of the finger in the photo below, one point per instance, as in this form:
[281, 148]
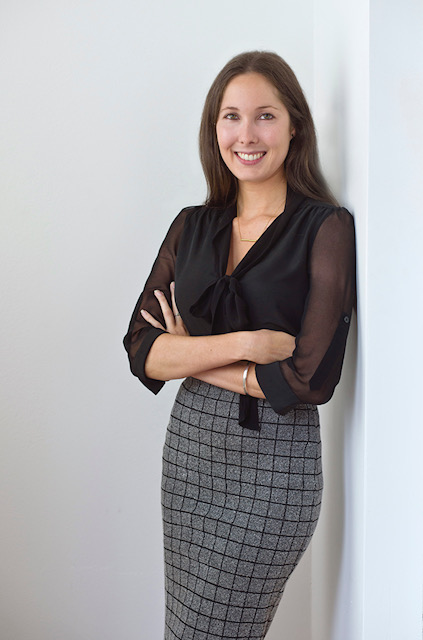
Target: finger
[151, 319]
[166, 310]
[172, 295]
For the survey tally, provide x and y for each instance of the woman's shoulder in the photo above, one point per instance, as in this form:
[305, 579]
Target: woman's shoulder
[314, 217]
[321, 210]
[204, 214]
[316, 212]
[205, 209]
[180, 220]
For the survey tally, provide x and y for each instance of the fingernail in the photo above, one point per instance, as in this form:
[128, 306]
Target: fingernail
[157, 292]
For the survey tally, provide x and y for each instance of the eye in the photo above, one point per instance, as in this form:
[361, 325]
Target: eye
[231, 116]
[266, 116]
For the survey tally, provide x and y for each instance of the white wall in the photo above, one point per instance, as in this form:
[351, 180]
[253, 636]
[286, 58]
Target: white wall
[99, 116]
[369, 96]
[394, 433]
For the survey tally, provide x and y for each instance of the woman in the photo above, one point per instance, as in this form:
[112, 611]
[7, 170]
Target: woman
[250, 299]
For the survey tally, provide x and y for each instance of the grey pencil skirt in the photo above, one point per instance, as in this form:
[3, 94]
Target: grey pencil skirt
[239, 510]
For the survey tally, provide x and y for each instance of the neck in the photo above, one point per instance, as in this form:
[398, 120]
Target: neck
[262, 199]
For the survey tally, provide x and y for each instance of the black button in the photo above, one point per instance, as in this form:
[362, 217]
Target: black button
[346, 319]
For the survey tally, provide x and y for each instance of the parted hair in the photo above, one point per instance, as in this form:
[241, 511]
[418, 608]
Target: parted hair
[302, 167]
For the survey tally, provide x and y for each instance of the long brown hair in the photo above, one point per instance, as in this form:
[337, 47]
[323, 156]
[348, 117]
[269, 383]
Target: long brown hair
[302, 166]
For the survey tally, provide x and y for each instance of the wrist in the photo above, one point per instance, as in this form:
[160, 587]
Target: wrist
[244, 345]
[245, 378]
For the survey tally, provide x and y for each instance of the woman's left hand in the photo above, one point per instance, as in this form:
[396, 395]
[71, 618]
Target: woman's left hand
[173, 321]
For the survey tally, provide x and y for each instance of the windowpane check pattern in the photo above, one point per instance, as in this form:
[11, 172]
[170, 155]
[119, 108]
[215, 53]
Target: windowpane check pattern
[239, 510]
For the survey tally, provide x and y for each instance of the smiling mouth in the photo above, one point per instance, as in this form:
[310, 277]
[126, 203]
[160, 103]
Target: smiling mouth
[250, 157]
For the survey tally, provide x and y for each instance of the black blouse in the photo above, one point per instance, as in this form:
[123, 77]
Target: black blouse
[298, 277]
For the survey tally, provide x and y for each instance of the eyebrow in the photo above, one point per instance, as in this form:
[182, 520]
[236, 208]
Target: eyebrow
[267, 106]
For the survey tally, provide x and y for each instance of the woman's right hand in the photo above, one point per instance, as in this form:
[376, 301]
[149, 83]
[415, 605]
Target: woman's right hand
[266, 346]
[172, 317]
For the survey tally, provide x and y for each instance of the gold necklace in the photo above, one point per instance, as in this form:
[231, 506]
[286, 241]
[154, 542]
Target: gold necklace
[267, 224]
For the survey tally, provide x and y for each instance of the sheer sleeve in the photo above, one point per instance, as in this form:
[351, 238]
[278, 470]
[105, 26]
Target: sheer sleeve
[141, 334]
[313, 371]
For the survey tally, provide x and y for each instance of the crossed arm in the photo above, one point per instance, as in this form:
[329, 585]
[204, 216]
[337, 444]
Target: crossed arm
[218, 359]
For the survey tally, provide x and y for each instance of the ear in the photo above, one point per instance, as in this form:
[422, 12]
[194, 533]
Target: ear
[293, 133]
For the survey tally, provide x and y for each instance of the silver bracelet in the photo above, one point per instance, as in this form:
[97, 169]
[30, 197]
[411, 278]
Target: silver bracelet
[244, 378]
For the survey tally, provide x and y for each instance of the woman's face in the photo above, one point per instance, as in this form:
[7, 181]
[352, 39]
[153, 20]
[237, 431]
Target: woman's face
[253, 129]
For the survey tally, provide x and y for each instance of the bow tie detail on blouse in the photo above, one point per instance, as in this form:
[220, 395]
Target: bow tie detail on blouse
[248, 413]
[223, 306]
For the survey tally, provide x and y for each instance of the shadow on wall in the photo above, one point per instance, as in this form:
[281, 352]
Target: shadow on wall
[332, 543]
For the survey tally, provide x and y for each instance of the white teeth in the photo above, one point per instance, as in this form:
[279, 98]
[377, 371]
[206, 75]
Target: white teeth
[250, 156]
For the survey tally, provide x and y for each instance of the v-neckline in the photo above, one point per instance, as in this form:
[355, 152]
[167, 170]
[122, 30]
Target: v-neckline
[257, 242]
[228, 252]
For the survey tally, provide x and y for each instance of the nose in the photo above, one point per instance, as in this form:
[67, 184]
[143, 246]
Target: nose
[247, 133]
